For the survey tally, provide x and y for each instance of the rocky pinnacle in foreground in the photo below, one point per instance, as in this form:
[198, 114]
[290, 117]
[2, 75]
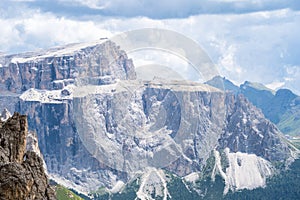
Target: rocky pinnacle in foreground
[22, 174]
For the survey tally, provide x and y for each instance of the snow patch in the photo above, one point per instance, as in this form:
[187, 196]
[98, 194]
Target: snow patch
[193, 177]
[34, 69]
[153, 181]
[117, 187]
[48, 96]
[59, 51]
[245, 171]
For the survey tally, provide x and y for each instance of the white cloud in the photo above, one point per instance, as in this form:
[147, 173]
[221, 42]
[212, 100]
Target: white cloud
[275, 85]
[292, 70]
[292, 77]
[95, 4]
[180, 8]
[176, 65]
[23, 0]
[227, 62]
[45, 30]
[253, 46]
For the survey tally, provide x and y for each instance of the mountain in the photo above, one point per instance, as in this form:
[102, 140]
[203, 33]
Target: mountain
[100, 129]
[223, 84]
[22, 174]
[282, 107]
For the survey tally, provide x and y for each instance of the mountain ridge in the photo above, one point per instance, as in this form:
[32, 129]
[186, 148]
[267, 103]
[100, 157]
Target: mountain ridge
[282, 107]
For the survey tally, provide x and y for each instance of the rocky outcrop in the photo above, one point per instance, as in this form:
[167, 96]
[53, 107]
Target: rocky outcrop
[22, 173]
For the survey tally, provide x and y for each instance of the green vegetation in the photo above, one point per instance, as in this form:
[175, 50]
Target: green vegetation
[290, 123]
[201, 189]
[63, 193]
[179, 190]
[101, 193]
[285, 186]
[204, 188]
[129, 192]
[208, 168]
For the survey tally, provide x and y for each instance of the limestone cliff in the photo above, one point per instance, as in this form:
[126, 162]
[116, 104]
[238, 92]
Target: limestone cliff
[98, 126]
[98, 62]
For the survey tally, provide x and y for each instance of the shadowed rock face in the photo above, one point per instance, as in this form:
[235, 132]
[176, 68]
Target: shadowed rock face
[22, 173]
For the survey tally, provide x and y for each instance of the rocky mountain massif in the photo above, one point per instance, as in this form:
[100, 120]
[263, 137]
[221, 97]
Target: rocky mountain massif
[22, 174]
[100, 128]
[282, 107]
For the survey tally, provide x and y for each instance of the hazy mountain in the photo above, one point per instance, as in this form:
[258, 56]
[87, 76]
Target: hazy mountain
[223, 84]
[282, 107]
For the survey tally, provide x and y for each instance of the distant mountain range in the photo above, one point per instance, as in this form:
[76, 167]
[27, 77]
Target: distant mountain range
[282, 107]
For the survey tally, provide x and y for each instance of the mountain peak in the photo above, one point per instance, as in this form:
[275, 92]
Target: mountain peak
[223, 84]
[286, 93]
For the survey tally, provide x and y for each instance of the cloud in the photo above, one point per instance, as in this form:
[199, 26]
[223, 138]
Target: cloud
[245, 45]
[275, 85]
[227, 62]
[160, 9]
[35, 30]
[292, 77]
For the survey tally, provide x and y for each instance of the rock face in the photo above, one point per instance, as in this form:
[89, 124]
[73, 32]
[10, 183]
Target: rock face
[58, 70]
[248, 131]
[97, 126]
[22, 174]
[98, 62]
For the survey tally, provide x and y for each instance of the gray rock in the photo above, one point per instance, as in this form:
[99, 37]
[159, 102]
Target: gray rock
[248, 131]
[53, 68]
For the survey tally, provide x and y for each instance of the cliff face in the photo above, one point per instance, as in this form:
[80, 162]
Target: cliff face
[107, 133]
[97, 62]
[98, 126]
[22, 174]
[247, 130]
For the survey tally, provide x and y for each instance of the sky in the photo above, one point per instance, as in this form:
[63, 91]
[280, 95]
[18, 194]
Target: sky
[254, 40]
